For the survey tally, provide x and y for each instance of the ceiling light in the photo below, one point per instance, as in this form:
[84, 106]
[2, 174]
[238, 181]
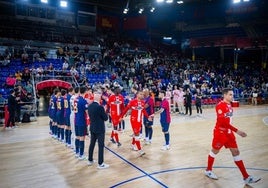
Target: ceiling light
[63, 3]
[125, 11]
[236, 1]
[169, 1]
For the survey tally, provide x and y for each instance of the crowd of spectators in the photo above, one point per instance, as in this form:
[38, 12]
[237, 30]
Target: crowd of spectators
[152, 66]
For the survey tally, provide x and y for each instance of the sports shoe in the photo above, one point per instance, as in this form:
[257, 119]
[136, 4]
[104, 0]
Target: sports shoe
[141, 153]
[251, 180]
[119, 144]
[211, 174]
[165, 147]
[103, 166]
[134, 148]
[76, 155]
[90, 163]
[113, 141]
[82, 157]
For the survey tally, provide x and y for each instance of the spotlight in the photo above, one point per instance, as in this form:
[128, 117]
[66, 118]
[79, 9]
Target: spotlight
[141, 10]
[167, 38]
[236, 1]
[125, 11]
[179, 2]
[159, 1]
[152, 9]
[169, 1]
[44, 1]
[63, 4]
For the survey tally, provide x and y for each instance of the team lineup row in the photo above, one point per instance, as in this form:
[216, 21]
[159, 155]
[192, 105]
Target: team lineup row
[81, 107]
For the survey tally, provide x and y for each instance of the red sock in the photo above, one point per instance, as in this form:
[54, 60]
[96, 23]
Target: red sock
[133, 141]
[138, 144]
[210, 162]
[112, 134]
[242, 168]
[116, 137]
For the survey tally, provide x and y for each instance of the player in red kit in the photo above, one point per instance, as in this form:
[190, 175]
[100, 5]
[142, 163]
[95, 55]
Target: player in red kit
[224, 136]
[137, 107]
[115, 106]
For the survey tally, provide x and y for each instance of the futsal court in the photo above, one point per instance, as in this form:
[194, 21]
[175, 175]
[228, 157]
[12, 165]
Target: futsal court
[31, 158]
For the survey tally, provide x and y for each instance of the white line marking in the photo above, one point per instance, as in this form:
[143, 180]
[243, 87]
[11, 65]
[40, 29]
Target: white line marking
[265, 120]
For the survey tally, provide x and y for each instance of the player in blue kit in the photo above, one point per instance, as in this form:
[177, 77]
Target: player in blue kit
[51, 108]
[148, 125]
[165, 118]
[60, 114]
[80, 110]
[52, 112]
[67, 113]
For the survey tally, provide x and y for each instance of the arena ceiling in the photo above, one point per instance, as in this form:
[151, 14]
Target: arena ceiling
[119, 5]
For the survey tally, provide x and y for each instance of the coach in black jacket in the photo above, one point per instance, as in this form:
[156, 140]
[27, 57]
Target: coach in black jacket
[97, 117]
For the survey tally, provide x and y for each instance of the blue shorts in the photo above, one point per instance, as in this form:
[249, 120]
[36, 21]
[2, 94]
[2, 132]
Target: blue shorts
[67, 121]
[80, 130]
[60, 119]
[52, 115]
[165, 127]
[147, 123]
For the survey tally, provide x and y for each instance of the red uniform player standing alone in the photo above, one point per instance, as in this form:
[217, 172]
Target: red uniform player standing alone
[224, 136]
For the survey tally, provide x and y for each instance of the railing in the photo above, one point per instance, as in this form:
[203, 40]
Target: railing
[56, 74]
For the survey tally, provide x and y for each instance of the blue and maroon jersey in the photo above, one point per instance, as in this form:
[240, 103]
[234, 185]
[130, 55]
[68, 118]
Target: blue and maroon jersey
[104, 98]
[80, 108]
[51, 106]
[67, 105]
[150, 102]
[52, 109]
[165, 115]
[60, 105]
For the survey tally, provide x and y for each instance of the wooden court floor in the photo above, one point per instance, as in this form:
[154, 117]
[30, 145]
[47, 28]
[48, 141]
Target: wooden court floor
[30, 158]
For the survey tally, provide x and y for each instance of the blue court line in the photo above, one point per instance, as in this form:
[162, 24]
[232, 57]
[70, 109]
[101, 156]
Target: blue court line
[145, 173]
[204, 167]
[183, 169]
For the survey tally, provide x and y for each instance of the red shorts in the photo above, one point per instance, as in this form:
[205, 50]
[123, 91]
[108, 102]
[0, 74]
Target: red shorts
[222, 138]
[136, 127]
[115, 120]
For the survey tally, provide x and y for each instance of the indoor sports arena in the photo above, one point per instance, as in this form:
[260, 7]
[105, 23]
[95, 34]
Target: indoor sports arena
[134, 93]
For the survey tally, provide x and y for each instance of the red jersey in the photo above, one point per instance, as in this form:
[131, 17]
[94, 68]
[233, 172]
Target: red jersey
[224, 117]
[137, 110]
[116, 105]
[89, 97]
